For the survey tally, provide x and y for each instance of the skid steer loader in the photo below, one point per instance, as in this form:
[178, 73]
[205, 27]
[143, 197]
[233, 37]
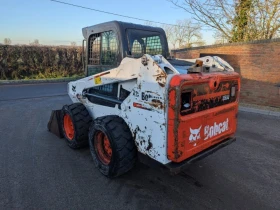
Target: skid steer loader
[136, 102]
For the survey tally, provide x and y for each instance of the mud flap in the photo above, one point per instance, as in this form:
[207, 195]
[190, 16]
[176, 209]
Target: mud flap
[54, 124]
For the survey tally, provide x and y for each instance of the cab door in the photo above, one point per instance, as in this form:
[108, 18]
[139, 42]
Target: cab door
[103, 52]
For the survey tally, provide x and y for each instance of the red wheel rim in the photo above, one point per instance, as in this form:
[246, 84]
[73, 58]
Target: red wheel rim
[103, 147]
[68, 126]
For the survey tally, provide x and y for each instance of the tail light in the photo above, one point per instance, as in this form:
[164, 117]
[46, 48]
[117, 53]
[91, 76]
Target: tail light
[186, 101]
[233, 90]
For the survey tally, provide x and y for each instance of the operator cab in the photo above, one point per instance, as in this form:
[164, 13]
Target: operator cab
[108, 43]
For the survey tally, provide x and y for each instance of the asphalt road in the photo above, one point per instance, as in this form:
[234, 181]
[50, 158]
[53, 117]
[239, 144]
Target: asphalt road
[39, 171]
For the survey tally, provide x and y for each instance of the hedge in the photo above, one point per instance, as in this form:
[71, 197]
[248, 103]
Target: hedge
[39, 62]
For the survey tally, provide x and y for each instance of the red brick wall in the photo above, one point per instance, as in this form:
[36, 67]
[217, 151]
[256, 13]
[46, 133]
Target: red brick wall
[257, 62]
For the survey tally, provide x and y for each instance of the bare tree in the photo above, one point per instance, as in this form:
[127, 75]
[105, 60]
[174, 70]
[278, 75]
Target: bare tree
[35, 42]
[199, 42]
[182, 34]
[264, 19]
[220, 38]
[187, 33]
[217, 14]
[236, 20]
[7, 41]
[73, 44]
[170, 35]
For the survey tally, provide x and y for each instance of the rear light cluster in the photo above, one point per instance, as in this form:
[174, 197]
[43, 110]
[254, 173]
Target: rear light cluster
[186, 101]
[188, 105]
[233, 90]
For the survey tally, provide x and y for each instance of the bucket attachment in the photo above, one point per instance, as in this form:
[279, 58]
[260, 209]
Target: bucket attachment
[54, 124]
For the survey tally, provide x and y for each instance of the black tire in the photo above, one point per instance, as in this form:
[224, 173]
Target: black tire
[124, 153]
[81, 122]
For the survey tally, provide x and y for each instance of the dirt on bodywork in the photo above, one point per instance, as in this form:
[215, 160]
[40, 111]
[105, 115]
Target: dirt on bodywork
[189, 129]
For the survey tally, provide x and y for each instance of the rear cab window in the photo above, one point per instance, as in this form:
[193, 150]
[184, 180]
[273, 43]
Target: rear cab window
[142, 42]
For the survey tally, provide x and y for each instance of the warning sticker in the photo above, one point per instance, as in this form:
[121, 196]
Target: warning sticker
[97, 80]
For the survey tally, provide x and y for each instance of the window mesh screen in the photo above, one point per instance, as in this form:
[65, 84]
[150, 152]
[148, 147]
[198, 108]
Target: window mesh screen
[136, 49]
[153, 45]
[94, 50]
[103, 49]
[105, 88]
[109, 48]
[145, 42]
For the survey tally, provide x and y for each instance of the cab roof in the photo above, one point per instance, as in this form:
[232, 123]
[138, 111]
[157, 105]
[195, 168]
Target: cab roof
[120, 26]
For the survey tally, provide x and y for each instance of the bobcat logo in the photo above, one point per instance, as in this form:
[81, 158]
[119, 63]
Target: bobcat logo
[195, 134]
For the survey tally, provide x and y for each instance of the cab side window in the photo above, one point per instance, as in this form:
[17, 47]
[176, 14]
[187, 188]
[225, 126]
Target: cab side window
[103, 52]
[109, 48]
[94, 50]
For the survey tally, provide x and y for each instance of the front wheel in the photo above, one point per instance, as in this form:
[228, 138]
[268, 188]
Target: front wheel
[75, 124]
[112, 146]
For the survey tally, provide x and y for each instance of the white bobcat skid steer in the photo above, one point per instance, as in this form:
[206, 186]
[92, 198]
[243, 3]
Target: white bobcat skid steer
[136, 103]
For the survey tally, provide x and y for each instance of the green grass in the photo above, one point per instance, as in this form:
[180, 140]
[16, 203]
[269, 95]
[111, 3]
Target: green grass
[52, 76]
[40, 76]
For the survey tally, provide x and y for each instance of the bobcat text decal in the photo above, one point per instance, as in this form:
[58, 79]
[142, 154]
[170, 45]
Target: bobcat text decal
[209, 131]
[214, 130]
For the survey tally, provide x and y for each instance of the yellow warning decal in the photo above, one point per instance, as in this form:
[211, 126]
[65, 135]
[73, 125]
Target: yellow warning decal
[97, 80]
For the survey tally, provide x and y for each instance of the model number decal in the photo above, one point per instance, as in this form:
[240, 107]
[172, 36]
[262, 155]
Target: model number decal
[146, 96]
[135, 93]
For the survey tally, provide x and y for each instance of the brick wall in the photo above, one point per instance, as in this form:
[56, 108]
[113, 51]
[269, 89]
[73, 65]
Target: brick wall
[258, 63]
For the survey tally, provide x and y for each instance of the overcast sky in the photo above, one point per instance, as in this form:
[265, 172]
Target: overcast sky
[56, 24]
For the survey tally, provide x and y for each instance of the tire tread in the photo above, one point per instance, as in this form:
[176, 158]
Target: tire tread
[123, 141]
[82, 121]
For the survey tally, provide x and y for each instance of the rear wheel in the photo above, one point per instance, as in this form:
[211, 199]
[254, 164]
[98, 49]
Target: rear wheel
[103, 147]
[112, 146]
[75, 124]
